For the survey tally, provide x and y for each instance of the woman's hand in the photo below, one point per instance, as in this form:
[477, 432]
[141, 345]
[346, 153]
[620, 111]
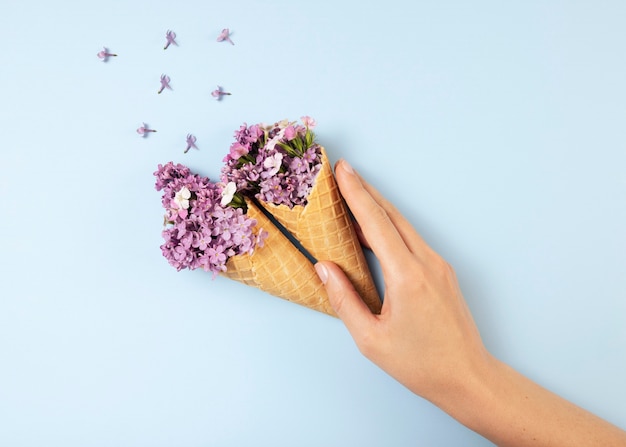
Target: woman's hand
[425, 337]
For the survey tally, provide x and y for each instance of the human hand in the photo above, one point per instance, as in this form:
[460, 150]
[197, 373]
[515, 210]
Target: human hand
[426, 339]
[425, 336]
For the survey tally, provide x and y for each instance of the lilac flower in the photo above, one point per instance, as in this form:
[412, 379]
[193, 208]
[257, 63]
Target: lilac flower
[238, 150]
[298, 165]
[310, 155]
[218, 93]
[165, 83]
[225, 36]
[201, 240]
[245, 240]
[249, 135]
[276, 163]
[227, 193]
[144, 130]
[273, 164]
[260, 238]
[191, 142]
[186, 241]
[303, 189]
[308, 122]
[104, 54]
[290, 132]
[179, 253]
[271, 190]
[182, 198]
[216, 255]
[169, 175]
[170, 36]
[200, 232]
[223, 213]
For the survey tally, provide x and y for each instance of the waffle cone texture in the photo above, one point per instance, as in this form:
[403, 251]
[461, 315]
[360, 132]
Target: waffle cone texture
[324, 228]
[279, 268]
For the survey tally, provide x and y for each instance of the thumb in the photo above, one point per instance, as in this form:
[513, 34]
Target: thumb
[344, 299]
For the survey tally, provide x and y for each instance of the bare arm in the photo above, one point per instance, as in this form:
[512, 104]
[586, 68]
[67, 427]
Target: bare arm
[425, 337]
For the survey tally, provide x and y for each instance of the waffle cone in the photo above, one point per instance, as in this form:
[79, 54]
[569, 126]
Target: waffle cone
[324, 228]
[279, 268]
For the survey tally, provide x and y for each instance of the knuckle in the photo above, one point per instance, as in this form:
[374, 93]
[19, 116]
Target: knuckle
[337, 300]
[414, 275]
[440, 267]
[417, 275]
[378, 214]
[366, 342]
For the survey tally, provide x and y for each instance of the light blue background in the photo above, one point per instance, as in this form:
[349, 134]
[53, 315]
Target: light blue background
[498, 128]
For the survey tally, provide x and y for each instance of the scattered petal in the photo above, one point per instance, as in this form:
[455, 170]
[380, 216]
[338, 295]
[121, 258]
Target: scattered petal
[165, 83]
[144, 130]
[219, 92]
[191, 142]
[225, 36]
[104, 54]
[170, 36]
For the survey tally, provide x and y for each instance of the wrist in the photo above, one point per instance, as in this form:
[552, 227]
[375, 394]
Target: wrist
[471, 397]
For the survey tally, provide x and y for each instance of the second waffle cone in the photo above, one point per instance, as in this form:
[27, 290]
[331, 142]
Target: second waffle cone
[279, 268]
[324, 228]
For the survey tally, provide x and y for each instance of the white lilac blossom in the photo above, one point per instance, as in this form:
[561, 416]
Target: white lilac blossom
[272, 164]
[275, 163]
[228, 193]
[199, 231]
[181, 198]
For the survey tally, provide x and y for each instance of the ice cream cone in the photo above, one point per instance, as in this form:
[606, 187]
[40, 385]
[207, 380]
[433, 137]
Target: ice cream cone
[279, 268]
[324, 228]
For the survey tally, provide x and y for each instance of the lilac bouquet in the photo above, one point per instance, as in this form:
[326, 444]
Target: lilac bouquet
[272, 175]
[275, 163]
[205, 222]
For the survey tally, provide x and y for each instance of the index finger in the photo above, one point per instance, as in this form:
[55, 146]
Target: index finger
[411, 237]
[378, 228]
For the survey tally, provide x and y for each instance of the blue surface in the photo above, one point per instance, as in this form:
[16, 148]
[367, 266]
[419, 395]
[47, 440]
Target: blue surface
[498, 129]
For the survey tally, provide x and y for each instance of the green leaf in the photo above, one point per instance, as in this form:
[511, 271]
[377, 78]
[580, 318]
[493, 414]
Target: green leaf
[290, 151]
[297, 142]
[238, 202]
[309, 137]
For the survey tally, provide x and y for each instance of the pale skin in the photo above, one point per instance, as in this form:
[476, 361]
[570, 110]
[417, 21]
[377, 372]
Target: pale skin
[425, 337]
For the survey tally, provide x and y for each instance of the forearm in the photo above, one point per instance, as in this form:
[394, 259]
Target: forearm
[511, 410]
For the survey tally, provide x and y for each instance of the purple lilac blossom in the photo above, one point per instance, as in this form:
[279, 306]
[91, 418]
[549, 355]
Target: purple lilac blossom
[225, 36]
[277, 164]
[219, 92]
[104, 54]
[170, 37]
[165, 83]
[201, 233]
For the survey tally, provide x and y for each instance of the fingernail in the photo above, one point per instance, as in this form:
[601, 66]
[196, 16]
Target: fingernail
[322, 272]
[347, 167]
